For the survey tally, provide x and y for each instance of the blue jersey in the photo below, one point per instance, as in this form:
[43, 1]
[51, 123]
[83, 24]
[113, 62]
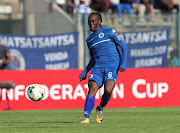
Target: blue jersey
[103, 48]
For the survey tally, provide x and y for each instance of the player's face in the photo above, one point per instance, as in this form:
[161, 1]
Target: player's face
[94, 23]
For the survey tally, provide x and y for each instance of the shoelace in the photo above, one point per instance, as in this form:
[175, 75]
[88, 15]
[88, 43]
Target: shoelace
[100, 114]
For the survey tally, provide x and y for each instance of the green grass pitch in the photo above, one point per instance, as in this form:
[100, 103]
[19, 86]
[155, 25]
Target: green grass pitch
[123, 120]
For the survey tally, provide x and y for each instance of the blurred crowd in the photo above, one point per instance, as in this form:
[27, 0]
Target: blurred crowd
[142, 7]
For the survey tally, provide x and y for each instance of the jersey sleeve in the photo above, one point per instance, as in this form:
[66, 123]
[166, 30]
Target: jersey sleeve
[89, 66]
[122, 48]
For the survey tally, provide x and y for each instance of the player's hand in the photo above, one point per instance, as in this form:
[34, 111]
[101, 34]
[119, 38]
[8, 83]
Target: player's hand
[121, 70]
[82, 78]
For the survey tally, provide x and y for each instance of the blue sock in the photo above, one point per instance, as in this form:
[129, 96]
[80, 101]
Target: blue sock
[103, 103]
[89, 105]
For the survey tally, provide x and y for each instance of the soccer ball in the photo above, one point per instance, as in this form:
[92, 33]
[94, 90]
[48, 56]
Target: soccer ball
[35, 92]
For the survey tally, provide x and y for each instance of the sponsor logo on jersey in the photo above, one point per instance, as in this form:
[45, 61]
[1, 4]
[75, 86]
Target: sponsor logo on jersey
[118, 36]
[90, 76]
[101, 35]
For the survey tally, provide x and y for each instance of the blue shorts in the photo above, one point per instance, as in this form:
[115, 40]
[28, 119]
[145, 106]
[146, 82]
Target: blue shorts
[102, 74]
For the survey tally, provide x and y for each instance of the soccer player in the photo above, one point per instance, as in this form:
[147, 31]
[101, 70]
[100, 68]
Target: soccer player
[108, 56]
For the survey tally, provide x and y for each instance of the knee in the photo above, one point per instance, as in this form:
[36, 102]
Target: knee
[93, 88]
[108, 90]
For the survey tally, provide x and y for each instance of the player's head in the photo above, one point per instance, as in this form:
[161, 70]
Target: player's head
[94, 21]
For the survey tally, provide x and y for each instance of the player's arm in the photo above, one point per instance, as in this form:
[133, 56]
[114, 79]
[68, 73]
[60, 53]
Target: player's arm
[7, 59]
[124, 49]
[121, 45]
[90, 65]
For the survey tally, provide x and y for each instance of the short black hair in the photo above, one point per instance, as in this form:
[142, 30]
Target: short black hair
[96, 13]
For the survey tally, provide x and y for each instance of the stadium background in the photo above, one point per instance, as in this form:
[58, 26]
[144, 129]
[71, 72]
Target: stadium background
[30, 19]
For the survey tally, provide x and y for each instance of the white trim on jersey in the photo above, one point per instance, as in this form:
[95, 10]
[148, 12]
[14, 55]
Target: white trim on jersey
[100, 42]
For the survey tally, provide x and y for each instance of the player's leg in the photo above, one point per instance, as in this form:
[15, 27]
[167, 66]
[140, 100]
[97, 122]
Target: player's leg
[95, 81]
[90, 99]
[110, 81]
[89, 104]
[108, 88]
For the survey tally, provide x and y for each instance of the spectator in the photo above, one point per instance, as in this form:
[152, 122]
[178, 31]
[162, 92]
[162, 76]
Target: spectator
[149, 6]
[77, 2]
[100, 5]
[5, 57]
[174, 61]
[120, 7]
[69, 6]
[61, 3]
[140, 7]
[82, 9]
[166, 5]
[114, 5]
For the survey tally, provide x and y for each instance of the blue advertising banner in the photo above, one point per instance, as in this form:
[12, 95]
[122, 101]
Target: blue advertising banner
[147, 48]
[42, 52]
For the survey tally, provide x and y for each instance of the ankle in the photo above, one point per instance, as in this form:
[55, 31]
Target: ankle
[99, 108]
